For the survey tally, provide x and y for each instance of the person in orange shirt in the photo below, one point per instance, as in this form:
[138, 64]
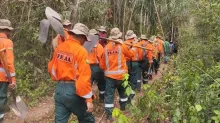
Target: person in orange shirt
[68, 67]
[160, 47]
[114, 65]
[59, 39]
[7, 69]
[155, 66]
[93, 60]
[147, 58]
[133, 63]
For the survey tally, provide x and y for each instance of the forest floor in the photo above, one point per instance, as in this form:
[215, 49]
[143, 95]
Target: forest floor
[44, 112]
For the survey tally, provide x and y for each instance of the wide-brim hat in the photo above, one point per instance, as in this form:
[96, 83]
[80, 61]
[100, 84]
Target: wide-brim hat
[93, 32]
[80, 29]
[152, 38]
[130, 34]
[66, 23]
[159, 36]
[5, 24]
[143, 37]
[115, 34]
[102, 29]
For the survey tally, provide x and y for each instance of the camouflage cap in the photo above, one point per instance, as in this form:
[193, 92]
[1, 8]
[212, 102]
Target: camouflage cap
[80, 29]
[102, 29]
[5, 24]
[93, 32]
[130, 34]
[115, 33]
[67, 23]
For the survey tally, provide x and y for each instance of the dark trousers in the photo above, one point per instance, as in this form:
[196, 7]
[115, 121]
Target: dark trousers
[3, 99]
[155, 65]
[98, 76]
[111, 85]
[67, 102]
[135, 74]
[144, 64]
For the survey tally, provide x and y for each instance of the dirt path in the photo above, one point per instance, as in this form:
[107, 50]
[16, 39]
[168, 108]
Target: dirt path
[44, 112]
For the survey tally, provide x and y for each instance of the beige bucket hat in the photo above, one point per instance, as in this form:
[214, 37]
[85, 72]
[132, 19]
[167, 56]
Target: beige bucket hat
[80, 29]
[143, 37]
[152, 39]
[130, 34]
[67, 23]
[159, 36]
[102, 29]
[115, 34]
[5, 24]
[93, 32]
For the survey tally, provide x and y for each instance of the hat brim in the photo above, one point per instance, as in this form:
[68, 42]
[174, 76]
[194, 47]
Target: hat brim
[66, 24]
[78, 32]
[116, 36]
[130, 37]
[6, 27]
[102, 30]
[144, 38]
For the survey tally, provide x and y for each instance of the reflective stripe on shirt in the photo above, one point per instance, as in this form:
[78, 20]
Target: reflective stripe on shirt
[3, 70]
[119, 71]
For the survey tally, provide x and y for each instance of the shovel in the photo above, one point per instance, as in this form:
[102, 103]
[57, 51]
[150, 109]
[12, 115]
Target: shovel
[44, 28]
[18, 106]
[53, 19]
[89, 45]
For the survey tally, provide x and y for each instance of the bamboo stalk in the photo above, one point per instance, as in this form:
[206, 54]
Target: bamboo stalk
[124, 18]
[158, 18]
[131, 14]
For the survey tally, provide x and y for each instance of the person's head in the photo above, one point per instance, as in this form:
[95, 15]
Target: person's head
[67, 24]
[80, 32]
[93, 32]
[115, 34]
[5, 27]
[152, 39]
[102, 30]
[159, 36]
[143, 37]
[130, 35]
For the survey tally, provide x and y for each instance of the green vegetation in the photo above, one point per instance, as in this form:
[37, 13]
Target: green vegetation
[189, 90]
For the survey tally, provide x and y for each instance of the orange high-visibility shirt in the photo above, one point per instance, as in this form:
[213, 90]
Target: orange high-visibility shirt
[114, 62]
[138, 52]
[160, 45]
[134, 50]
[69, 63]
[155, 51]
[96, 54]
[8, 46]
[149, 53]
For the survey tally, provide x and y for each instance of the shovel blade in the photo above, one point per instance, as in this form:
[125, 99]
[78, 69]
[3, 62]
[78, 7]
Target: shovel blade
[55, 21]
[44, 28]
[50, 12]
[89, 45]
[56, 25]
[19, 108]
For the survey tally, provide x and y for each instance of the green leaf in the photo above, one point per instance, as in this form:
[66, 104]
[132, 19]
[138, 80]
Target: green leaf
[198, 107]
[115, 112]
[217, 112]
[177, 113]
